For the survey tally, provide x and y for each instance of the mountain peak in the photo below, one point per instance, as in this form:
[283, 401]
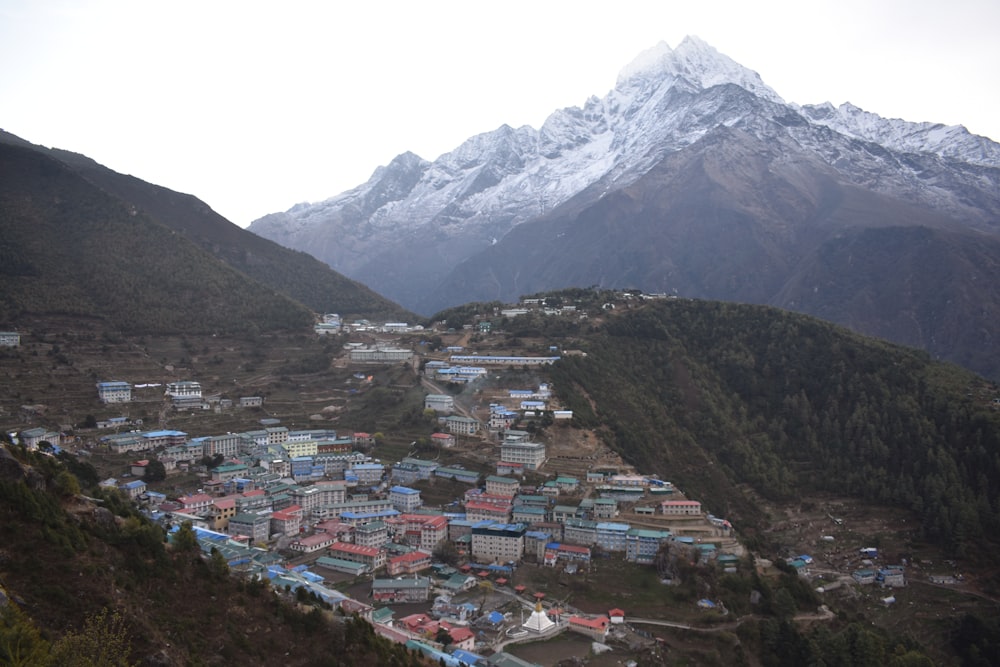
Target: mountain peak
[697, 62]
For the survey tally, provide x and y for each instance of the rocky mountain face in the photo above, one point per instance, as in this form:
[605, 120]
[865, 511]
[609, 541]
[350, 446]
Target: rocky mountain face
[695, 178]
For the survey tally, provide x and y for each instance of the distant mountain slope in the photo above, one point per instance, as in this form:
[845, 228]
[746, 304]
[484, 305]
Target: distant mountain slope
[296, 274]
[783, 229]
[690, 176]
[70, 248]
[715, 396]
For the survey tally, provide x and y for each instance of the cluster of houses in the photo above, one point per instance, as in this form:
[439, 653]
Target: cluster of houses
[314, 492]
[332, 323]
[183, 395]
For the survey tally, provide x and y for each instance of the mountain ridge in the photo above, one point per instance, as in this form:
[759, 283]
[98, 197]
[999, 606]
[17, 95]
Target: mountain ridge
[294, 273]
[415, 243]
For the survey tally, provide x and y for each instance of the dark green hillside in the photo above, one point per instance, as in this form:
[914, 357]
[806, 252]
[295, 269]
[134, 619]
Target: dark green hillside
[69, 248]
[89, 583]
[715, 395]
[295, 274]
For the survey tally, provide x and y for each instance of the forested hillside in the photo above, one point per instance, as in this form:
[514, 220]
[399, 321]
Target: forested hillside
[114, 593]
[715, 395]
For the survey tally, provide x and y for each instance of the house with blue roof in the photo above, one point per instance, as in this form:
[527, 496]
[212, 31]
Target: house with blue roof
[133, 489]
[405, 499]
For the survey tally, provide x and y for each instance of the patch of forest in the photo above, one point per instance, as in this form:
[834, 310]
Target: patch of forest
[716, 395]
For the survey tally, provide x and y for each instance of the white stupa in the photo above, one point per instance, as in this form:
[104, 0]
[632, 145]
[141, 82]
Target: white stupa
[539, 620]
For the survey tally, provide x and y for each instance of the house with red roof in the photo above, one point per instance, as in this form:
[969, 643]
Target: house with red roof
[308, 544]
[287, 521]
[197, 503]
[595, 628]
[617, 616]
[462, 638]
[373, 557]
[223, 509]
[409, 563]
[446, 440]
[480, 511]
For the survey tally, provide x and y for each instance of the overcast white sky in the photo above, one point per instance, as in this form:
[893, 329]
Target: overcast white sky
[256, 106]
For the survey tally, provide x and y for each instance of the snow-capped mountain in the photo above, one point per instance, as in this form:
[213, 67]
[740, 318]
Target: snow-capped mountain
[434, 234]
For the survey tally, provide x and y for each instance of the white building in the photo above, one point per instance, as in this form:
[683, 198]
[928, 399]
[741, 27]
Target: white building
[439, 402]
[184, 389]
[385, 355]
[498, 542]
[114, 392]
[529, 454]
[404, 498]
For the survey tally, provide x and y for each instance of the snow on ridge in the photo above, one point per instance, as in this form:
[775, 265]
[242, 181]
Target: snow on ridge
[950, 141]
[651, 61]
[697, 62]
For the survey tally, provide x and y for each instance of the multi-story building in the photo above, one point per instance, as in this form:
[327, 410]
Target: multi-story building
[579, 531]
[410, 470]
[298, 448]
[604, 508]
[385, 355]
[254, 526]
[287, 521]
[502, 486]
[611, 536]
[408, 589]
[530, 454]
[368, 474]
[184, 394]
[164, 438]
[223, 509]
[432, 531]
[555, 552]
[198, 503]
[498, 542]
[562, 513]
[642, 545]
[114, 392]
[502, 418]
[404, 498]
[330, 492]
[371, 534]
[227, 445]
[487, 512]
[681, 507]
[461, 425]
[33, 437]
[224, 473]
[372, 557]
[335, 464]
[490, 360]
[528, 514]
[253, 501]
[408, 563]
[439, 402]
[309, 498]
[507, 468]
[360, 506]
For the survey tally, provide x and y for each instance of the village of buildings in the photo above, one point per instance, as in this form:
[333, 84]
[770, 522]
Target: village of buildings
[318, 509]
